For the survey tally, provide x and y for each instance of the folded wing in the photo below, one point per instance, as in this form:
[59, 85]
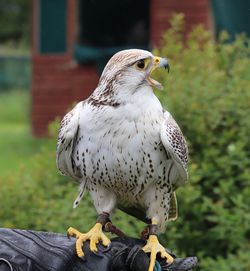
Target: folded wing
[175, 144]
[66, 142]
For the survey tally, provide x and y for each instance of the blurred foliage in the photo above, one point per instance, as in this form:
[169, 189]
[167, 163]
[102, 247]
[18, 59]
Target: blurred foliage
[15, 20]
[208, 93]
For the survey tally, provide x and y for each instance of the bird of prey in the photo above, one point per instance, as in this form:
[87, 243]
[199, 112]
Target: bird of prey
[125, 149]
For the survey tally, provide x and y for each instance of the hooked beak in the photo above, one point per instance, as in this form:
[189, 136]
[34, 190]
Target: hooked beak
[161, 63]
[158, 62]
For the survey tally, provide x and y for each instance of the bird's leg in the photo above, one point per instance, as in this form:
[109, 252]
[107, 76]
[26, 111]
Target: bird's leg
[109, 227]
[153, 247]
[94, 235]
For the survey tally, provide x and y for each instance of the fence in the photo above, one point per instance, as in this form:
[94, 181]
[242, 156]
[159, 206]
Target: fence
[15, 72]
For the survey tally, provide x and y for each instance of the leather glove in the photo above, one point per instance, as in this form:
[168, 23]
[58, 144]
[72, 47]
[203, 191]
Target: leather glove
[25, 250]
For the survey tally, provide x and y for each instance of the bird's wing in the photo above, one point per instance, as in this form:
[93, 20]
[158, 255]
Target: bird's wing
[175, 144]
[66, 141]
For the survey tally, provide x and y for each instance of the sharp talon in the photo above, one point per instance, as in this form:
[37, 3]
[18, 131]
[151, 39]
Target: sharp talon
[107, 248]
[94, 236]
[154, 247]
[105, 240]
[79, 251]
[163, 255]
[73, 232]
[92, 245]
[82, 258]
[69, 233]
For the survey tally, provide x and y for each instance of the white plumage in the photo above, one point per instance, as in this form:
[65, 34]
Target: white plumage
[122, 146]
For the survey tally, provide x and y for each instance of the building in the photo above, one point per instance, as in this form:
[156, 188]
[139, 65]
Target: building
[73, 39]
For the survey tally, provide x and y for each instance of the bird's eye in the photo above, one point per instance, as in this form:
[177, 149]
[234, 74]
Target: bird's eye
[141, 64]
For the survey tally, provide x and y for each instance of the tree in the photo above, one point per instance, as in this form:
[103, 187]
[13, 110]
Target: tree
[15, 20]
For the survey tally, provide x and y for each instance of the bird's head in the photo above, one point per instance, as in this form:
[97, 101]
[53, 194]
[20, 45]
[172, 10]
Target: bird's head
[128, 71]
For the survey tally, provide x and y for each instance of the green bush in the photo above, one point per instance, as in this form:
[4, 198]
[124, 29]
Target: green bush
[208, 92]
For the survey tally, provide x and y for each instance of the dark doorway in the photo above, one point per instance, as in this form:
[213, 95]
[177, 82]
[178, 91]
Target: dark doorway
[113, 23]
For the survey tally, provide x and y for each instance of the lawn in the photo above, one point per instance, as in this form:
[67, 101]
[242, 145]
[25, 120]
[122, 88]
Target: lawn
[16, 142]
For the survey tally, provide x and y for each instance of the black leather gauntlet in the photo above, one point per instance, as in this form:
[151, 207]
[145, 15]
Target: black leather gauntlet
[24, 250]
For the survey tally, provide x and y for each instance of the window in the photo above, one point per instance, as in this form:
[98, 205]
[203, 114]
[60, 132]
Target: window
[105, 27]
[52, 35]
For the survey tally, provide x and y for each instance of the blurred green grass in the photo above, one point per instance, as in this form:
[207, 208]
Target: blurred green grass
[16, 142]
[14, 107]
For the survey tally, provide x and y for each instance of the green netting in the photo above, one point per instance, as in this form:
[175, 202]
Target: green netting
[15, 72]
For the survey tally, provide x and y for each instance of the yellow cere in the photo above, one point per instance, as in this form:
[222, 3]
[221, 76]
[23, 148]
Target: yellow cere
[157, 60]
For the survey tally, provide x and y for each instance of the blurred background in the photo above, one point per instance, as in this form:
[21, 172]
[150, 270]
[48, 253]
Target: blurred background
[51, 56]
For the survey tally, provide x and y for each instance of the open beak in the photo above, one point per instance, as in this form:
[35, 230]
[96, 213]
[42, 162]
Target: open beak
[158, 63]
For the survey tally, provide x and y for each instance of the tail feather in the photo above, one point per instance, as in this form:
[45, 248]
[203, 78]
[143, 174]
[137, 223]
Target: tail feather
[173, 209]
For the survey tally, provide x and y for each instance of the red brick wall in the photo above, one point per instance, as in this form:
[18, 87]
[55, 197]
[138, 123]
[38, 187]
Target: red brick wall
[57, 82]
[195, 11]
[56, 85]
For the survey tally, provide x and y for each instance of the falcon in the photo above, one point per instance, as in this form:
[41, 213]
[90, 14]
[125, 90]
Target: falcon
[126, 150]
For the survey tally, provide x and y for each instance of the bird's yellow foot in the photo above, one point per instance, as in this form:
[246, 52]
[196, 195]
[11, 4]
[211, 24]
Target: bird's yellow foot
[153, 247]
[94, 235]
